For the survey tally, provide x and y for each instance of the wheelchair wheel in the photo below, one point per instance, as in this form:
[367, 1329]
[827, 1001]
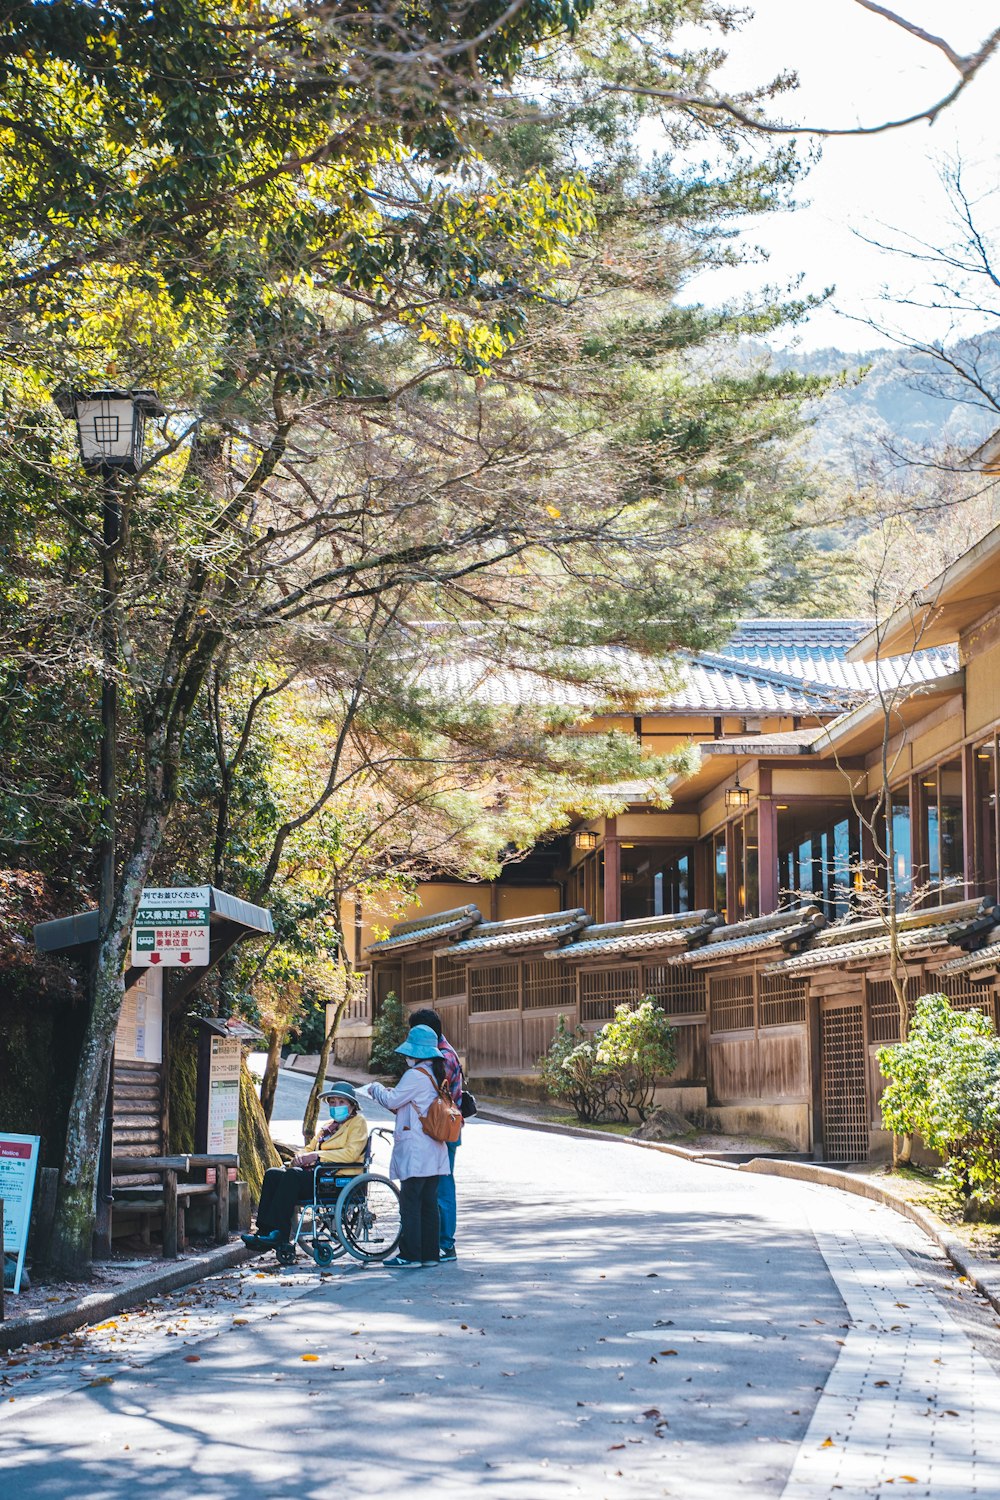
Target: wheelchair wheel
[324, 1251]
[368, 1221]
[285, 1254]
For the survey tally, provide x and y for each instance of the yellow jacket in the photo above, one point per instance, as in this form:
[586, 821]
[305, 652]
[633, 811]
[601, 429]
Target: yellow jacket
[346, 1143]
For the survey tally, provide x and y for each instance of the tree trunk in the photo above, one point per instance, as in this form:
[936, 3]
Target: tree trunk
[257, 1151]
[312, 1105]
[269, 1082]
[71, 1249]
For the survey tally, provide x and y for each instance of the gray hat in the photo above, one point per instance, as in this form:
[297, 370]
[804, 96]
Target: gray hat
[340, 1091]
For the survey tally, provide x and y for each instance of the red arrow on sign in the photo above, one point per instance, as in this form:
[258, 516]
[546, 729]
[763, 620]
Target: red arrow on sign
[154, 958]
[185, 957]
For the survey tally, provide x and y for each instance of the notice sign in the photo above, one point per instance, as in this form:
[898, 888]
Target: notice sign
[224, 1096]
[171, 927]
[18, 1161]
[139, 1037]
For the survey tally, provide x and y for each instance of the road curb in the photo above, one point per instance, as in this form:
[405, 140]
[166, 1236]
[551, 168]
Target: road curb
[525, 1122]
[94, 1308]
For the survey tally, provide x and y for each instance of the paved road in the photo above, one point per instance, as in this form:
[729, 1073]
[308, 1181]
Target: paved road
[619, 1323]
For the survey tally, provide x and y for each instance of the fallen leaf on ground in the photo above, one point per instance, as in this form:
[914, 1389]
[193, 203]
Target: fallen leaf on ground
[615, 1446]
[192, 1359]
[668, 1351]
[99, 1380]
[311, 1358]
[881, 1382]
[828, 1443]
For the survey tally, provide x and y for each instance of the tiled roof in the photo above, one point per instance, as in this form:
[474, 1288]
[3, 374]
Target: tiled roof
[738, 947]
[935, 936]
[769, 667]
[642, 935]
[518, 932]
[987, 957]
[423, 929]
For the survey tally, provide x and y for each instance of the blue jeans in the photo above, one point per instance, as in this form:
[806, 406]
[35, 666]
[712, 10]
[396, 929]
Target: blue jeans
[447, 1207]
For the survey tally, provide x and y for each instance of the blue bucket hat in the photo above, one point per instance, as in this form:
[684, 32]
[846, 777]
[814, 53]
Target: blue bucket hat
[421, 1042]
[340, 1091]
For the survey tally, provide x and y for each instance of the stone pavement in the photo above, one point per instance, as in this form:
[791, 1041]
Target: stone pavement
[911, 1402]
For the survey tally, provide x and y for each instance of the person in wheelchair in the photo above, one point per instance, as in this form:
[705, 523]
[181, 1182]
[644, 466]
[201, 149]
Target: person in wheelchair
[339, 1142]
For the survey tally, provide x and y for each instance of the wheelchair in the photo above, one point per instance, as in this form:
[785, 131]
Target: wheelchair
[355, 1215]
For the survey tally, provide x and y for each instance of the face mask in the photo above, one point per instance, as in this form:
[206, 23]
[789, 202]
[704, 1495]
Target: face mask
[340, 1112]
[411, 1062]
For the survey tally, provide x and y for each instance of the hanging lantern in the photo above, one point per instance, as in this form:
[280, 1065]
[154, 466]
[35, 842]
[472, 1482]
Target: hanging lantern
[737, 796]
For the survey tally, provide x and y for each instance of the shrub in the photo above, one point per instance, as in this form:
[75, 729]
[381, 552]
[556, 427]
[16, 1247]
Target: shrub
[388, 1030]
[571, 1070]
[944, 1084]
[639, 1050]
[615, 1070]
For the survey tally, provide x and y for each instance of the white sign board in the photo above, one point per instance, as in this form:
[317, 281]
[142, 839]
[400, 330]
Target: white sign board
[224, 1096]
[171, 927]
[139, 1037]
[18, 1161]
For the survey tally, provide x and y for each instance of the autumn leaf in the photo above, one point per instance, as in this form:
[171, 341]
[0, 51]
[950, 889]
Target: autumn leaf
[192, 1359]
[100, 1380]
[310, 1358]
[828, 1443]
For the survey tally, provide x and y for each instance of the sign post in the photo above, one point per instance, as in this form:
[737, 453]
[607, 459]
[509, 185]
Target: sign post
[172, 927]
[18, 1164]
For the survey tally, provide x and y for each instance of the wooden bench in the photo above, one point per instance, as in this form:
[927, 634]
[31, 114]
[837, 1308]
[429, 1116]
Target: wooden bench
[171, 1197]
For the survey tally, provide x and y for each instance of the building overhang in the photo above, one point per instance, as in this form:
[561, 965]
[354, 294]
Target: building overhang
[940, 613]
[863, 728]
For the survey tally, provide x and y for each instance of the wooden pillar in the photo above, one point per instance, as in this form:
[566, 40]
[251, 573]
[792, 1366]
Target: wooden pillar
[767, 845]
[612, 871]
[170, 1236]
[970, 826]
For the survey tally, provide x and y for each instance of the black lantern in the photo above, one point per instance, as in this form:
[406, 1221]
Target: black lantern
[737, 796]
[110, 425]
[586, 839]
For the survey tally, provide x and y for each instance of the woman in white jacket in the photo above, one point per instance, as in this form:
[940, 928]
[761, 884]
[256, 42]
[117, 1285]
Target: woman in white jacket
[418, 1160]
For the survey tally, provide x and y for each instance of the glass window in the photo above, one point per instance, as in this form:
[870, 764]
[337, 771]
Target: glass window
[819, 847]
[751, 871]
[719, 868]
[655, 880]
[901, 854]
[985, 823]
[943, 872]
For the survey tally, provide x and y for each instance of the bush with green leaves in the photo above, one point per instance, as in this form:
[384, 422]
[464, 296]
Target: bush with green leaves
[388, 1030]
[570, 1070]
[944, 1085]
[639, 1050]
[614, 1071]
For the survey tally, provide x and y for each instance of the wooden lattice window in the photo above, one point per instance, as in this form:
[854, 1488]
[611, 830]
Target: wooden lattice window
[449, 978]
[962, 993]
[883, 1008]
[547, 982]
[782, 999]
[418, 981]
[601, 990]
[679, 988]
[493, 987]
[731, 1002]
[845, 1111]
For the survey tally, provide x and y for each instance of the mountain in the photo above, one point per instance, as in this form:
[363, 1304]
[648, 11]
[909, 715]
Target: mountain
[900, 403]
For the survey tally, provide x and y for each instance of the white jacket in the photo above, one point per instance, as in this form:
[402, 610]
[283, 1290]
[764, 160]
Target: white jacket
[414, 1152]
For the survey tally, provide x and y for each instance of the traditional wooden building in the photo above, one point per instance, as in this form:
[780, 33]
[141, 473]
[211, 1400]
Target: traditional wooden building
[823, 745]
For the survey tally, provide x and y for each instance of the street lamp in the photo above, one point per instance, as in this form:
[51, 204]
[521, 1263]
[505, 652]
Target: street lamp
[110, 429]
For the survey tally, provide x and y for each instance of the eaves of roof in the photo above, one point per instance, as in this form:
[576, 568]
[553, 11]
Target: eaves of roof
[875, 947]
[986, 957]
[640, 942]
[741, 946]
[410, 934]
[517, 937]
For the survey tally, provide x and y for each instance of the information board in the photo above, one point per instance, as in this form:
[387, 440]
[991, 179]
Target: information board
[172, 927]
[18, 1162]
[139, 1037]
[224, 1096]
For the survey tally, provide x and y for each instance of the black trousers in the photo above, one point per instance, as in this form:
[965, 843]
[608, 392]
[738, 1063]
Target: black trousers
[281, 1190]
[418, 1213]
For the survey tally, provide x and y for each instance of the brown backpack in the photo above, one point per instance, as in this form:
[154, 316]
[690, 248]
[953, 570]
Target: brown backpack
[443, 1119]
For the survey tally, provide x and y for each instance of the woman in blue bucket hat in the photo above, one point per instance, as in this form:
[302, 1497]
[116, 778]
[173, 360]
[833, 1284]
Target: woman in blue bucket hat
[418, 1161]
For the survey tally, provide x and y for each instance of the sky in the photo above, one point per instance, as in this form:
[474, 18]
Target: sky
[857, 68]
